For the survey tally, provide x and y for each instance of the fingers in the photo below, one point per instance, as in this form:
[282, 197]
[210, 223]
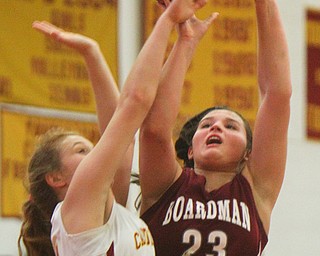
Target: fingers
[208, 21]
[211, 18]
[46, 28]
[166, 2]
[163, 3]
[198, 4]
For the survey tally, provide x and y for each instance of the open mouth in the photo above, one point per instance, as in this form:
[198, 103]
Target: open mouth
[214, 140]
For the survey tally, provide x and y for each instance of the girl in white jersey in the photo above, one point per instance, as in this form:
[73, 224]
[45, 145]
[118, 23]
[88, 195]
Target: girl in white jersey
[44, 188]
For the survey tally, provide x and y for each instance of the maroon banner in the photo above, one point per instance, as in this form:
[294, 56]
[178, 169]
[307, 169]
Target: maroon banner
[313, 74]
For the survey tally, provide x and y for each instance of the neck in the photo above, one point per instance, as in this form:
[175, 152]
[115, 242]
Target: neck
[215, 179]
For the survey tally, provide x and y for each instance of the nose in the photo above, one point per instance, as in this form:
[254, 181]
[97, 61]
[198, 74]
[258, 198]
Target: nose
[215, 127]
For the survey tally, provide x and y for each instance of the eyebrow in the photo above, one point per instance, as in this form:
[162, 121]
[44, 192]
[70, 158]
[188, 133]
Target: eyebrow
[77, 143]
[229, 119]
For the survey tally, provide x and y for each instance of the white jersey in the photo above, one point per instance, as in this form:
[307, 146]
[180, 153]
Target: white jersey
[123, 235]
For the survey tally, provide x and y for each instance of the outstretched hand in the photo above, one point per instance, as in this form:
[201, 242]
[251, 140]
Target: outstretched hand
[76, 41]
[194, 29]
[181, 10]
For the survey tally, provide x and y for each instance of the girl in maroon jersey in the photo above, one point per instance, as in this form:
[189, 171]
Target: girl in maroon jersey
[221, 202]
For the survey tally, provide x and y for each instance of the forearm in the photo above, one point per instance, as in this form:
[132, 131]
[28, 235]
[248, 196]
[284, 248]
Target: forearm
[149, 63]
[167, 103]
[103, 84]
[273, 57]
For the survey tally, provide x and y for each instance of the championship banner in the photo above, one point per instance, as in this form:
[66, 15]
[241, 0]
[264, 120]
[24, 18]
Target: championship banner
[313, 74]
[35, 70]
[19, 131]
[223, 70]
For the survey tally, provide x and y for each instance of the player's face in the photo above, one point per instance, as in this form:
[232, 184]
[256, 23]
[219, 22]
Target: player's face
[73, 149]
[220, 140]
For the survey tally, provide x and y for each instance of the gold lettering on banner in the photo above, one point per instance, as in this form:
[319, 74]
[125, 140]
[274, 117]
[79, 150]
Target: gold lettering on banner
[233, 29]
[28, 147]
[36, 126]
[60, 93]
[5, 168]
[69, 20]
[94, 4]
[314, 117]
[238, 63]
[19, 169]
[58, 68]
[15, 167]
[5, 86]
[236, 97]
[27, 0]
[313, 33]
[232, 3]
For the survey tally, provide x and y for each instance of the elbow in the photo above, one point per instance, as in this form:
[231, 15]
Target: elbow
[284, 95]
[281, 94]
[153, 133]
[138, 99]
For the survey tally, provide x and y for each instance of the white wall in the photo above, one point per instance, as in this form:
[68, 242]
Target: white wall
[295, 226]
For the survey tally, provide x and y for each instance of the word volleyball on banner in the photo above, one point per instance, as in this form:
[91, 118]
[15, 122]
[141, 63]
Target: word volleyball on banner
[20, 128]
[223, 70]
[313, 73]
[35, 70]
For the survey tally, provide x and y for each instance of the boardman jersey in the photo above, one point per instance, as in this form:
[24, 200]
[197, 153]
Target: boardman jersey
[187, 220]
[123, 235]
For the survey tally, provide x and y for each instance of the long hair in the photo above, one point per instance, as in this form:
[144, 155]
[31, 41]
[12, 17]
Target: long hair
[184, 141]
[37, 211]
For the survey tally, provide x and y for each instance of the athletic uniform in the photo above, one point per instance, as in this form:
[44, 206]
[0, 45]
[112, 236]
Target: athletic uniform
[187, 220]
[123, 235]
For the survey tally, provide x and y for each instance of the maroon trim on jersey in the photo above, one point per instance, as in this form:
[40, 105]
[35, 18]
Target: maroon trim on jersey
[110, 252]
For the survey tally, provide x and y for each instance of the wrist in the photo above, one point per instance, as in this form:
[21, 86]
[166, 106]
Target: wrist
[189, 42]
[167, 20]
[91, 49]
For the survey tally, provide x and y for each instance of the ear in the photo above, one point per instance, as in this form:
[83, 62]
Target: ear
[55, 179]
[246, 155]
[190, 153]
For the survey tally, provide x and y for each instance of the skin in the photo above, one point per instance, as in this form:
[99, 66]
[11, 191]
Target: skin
[224, 156]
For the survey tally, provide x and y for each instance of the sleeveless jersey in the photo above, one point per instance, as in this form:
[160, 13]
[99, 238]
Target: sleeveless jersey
[123, 235]
[187, 220]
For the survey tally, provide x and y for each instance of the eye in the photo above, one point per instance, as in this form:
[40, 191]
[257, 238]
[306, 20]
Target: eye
[83, 150]
[204, 125]
[231, 126]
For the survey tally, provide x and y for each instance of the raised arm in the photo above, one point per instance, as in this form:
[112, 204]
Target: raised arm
[157, 153]
[104, 86]
[268, 158]
[84, 205]
[105, 91]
